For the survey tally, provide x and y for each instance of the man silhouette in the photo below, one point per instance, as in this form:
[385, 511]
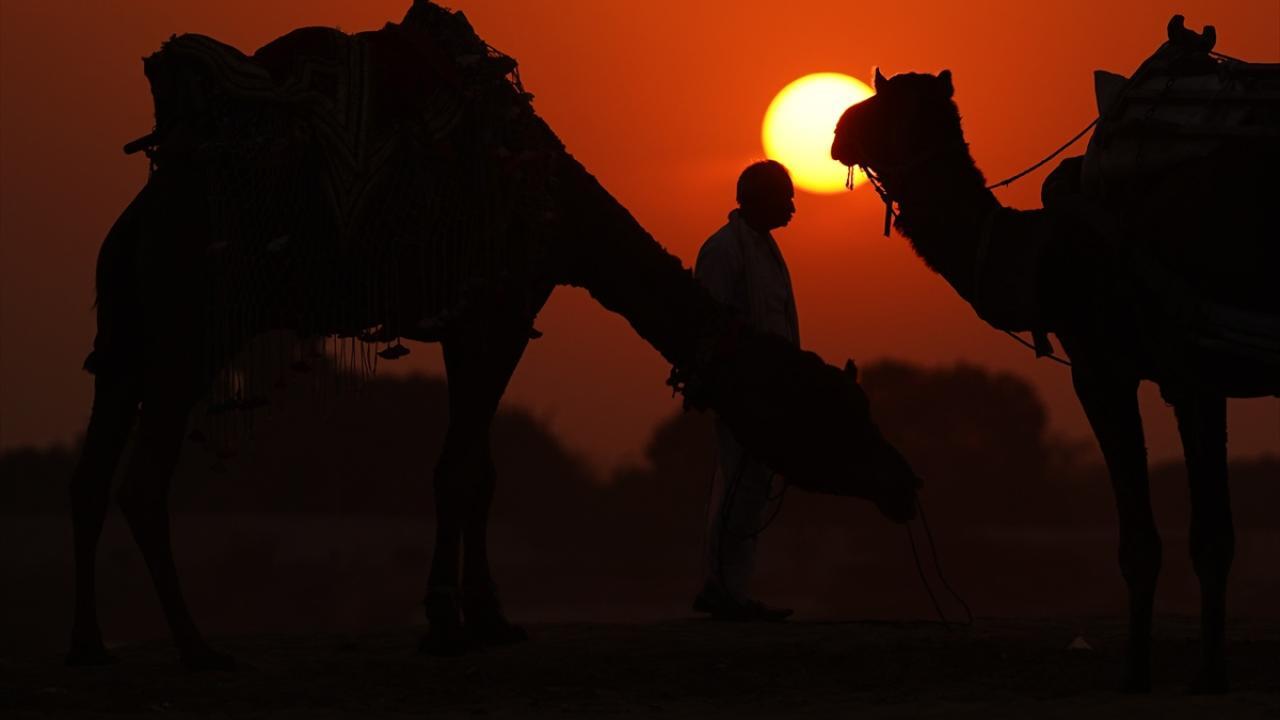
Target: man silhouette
[742, 267]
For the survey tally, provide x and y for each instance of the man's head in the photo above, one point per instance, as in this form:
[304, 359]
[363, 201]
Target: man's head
[766, 196]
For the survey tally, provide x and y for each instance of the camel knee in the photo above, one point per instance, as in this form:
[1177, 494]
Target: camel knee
[145, 490]
[464, 463]
[139, 501]
[110, 423]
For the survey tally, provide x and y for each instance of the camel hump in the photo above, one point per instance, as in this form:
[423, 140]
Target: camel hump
[281, 57]
[1107, 89]
[415, 74]
[201, 54]
[1183, 104]
[1180, 34]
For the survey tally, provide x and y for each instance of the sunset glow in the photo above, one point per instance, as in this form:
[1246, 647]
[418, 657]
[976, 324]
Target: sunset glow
[798, 126]
[664, 106]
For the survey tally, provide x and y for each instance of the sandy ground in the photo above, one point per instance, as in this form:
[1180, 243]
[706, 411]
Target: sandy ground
[676, 669]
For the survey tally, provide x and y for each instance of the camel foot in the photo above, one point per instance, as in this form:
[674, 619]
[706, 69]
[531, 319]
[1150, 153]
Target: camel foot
[484, 621]
[494, 631]
[445, 636]
[1137, 681]
[90, 656]
[207, 659]
[1211, 681]
[444, 641]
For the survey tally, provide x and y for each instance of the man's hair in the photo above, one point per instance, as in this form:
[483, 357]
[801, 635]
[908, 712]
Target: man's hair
[760, 179]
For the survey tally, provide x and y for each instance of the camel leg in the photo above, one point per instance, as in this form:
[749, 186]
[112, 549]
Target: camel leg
[115, 404]
[479, 365]
[1202, 423]
[144, 501]
[1111, 404]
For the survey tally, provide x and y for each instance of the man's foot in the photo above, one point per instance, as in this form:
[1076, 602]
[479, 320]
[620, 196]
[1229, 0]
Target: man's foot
[722, 606]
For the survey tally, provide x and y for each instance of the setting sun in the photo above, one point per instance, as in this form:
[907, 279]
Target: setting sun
[799, 123]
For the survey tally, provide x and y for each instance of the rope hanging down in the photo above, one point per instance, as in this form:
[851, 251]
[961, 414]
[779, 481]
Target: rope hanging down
[937, 567]
[1009, 181]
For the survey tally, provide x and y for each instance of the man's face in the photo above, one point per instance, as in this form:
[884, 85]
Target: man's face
[775, 206]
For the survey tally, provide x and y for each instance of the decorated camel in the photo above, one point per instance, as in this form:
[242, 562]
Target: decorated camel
[383, 186]
[1167, 275]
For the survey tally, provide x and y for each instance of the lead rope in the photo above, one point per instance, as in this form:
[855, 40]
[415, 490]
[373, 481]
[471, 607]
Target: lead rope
[937, 568]
[1012, 178]
[890, 213]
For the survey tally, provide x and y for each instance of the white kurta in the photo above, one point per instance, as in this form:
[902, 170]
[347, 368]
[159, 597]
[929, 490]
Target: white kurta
[743, 269]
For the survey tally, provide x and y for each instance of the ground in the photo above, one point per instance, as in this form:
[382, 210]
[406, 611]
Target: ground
[677, 669]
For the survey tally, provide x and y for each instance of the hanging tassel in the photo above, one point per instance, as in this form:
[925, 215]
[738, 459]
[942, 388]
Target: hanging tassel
[394, 352]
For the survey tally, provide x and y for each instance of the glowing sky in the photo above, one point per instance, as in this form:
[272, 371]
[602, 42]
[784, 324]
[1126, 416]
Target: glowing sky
[663, 101]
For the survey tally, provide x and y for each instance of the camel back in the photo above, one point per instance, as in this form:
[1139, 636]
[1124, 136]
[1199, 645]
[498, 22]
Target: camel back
[358, 186]
[1183, 103]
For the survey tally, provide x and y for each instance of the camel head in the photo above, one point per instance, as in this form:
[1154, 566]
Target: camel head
[909, 120]
[866, 464]
[809, 421]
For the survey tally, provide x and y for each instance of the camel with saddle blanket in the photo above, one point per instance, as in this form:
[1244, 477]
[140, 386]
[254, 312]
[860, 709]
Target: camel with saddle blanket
[364, 189]
[1156, 257]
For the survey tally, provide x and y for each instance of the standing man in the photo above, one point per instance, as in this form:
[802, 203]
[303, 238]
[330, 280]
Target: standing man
[742, 267]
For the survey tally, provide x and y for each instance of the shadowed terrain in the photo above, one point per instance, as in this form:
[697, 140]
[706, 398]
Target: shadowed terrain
[305, 554]
[676, 669]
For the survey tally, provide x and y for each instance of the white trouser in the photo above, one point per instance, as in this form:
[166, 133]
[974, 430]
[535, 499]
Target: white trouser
[738, 504]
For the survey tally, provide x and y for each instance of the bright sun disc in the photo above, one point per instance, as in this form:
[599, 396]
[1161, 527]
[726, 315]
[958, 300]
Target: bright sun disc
[800, 125]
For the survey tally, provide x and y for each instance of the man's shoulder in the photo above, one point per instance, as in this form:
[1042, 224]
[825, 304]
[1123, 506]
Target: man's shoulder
[723, 241]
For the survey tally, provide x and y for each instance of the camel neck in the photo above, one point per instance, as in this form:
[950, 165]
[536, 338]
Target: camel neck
[942, 207]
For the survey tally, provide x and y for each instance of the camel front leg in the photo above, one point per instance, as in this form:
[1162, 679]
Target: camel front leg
[479, 362]
[1111, 404]
[1202, 423]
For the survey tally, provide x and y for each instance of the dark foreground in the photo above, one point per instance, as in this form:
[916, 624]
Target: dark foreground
[996, 669]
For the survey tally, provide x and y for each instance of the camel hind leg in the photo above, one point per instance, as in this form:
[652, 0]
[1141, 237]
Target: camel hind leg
[479, 364]
[116, 394]
[1111, 404]
[115, 404]
[1202, 423]
[144, 501]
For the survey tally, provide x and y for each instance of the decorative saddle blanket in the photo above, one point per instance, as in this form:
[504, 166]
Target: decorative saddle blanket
[354, 181]
[362, 187]
[1183, 103]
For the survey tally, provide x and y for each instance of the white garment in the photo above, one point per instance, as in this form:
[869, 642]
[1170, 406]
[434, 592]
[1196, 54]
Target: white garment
[743, 269]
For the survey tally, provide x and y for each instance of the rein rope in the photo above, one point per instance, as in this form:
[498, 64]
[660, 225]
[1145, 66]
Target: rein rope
[890, 213]
[1041, 345]
[1013, 178]
[726, 509]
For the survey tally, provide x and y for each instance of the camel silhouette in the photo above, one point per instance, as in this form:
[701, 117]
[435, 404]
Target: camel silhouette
[1145, 291]
[386, 185]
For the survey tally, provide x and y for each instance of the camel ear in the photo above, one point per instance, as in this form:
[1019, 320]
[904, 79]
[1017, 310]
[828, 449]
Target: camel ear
[851, 370]
[879, 81]
[944, 81]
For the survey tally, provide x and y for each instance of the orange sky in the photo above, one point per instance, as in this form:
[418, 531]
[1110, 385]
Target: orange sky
[663, 102]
